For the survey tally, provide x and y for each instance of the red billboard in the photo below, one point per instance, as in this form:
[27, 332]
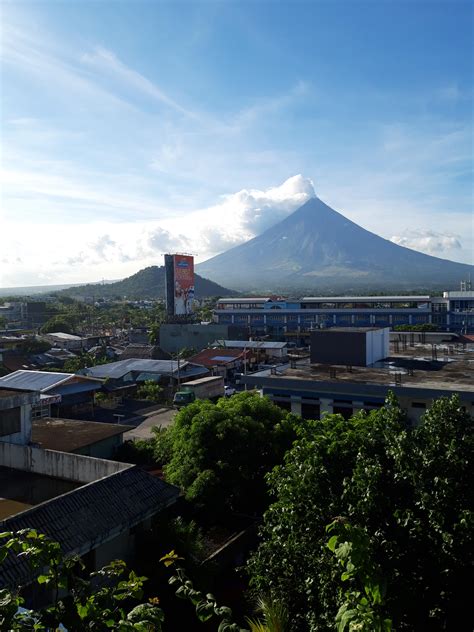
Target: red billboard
[183, 284]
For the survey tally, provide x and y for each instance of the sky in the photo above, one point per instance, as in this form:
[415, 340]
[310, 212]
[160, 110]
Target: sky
[130, 129]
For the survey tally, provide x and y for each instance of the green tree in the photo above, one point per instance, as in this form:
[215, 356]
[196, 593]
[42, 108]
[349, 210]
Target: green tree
[409, 488]
[221, 452]
[150, 391]
[57, 324]
[100, 601]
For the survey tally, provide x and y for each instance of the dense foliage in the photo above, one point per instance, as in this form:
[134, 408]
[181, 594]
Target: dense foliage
[105, 600]
[410, 489]
[221, 452]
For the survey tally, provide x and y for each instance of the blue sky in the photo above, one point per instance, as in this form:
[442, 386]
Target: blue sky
[134, 128]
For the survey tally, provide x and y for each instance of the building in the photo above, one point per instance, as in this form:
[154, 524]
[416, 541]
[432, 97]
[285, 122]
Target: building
[223, 362]
[293, 319]
[90, 438]
[93, 507]
[417, 375]
[134, 371]
[60, 394]
[262, 351]
[174, 337]
[61, 340]
[358, 346]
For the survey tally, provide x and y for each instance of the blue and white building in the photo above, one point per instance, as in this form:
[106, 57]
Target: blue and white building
[294, 319]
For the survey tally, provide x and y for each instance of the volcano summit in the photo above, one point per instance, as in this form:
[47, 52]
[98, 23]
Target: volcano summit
[318, 248]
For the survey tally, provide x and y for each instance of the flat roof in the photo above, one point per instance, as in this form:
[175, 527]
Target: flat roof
[348, 329]
[452, 371]
[63, 336]
[251, 344]
[361, 299]
[250, 299]
[68, 435]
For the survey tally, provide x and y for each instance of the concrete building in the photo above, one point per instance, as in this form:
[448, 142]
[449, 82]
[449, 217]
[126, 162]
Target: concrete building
[93, 507]
[293, 319]
[417, 375]
[90, 438]
[61, 340]
[174, 337]
[15, 415]
[358, 346]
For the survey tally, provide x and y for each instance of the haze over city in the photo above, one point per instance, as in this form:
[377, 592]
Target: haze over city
[132, 129]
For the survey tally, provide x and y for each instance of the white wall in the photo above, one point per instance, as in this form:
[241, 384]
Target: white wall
[377, 345]
[71, 467]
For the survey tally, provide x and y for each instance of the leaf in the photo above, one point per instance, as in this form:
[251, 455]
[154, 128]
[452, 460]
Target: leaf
[332, 543]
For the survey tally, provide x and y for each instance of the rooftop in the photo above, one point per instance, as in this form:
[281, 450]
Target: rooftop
[453, 369]
[68, 435]
[250, 344]
[119, 369]
[95, 512]
[64, 336]
[383, 299]
[211, 357]
[40, 381]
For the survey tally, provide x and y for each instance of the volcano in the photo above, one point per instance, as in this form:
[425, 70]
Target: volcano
[317, 248]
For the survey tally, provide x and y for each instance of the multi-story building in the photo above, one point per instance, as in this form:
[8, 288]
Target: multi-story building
[293, 319]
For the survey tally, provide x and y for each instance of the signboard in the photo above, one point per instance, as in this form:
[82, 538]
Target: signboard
[179, 284]
[183, 284]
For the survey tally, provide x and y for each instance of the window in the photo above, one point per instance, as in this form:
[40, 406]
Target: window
[10, 422]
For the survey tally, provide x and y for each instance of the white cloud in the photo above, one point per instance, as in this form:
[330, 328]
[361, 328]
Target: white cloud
[428, 241]
[245, 214]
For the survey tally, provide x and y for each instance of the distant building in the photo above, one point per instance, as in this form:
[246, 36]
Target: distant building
[62, 340]
[60, 394]
[174, 337]
[223, 362]
[294, 319]
[127, 374]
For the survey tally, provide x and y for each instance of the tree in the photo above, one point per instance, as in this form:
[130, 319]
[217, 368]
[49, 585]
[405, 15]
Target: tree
[221, 452]
[150, 391]
[409, 488]
[99, 601]
[56, 324]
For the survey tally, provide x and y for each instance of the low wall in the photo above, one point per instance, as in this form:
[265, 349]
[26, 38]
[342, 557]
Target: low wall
[71, 467]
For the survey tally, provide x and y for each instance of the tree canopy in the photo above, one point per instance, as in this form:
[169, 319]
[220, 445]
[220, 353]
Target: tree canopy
[410, 490]
[221, 452]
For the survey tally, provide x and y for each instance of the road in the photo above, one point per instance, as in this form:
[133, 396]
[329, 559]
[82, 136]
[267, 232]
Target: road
[162, 417]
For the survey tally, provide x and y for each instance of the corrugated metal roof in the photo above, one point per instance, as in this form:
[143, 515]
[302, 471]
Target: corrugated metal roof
[82, 519]
[119, 369]
[34, 380]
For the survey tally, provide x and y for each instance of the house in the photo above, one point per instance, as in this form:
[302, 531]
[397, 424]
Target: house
[144, 352]
[223, 362]
[262, 351]
[128, 374]
[64, 341]
[60, 394]
[90, 438]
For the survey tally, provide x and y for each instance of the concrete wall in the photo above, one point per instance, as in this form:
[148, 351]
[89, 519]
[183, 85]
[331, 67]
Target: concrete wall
[377, 345]
[73, 467]
[174, 337]
[23, 401]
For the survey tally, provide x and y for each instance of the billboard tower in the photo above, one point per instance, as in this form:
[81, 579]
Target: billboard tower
[179, 286]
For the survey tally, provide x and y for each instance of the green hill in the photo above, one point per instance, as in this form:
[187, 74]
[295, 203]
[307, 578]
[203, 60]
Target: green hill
[147, 283]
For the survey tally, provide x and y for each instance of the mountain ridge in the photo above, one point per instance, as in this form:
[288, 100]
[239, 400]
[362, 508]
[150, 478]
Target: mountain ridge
[146, 283]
